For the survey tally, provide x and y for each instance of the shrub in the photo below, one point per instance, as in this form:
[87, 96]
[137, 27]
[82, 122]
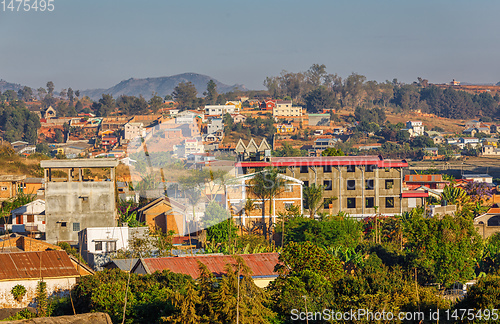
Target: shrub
[18, 291]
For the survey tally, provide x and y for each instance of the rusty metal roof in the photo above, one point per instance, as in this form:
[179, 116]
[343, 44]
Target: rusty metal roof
[33, 265]
[261, 265]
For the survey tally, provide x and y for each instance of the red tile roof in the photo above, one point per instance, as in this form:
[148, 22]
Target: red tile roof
[261, 265]
[33, 265]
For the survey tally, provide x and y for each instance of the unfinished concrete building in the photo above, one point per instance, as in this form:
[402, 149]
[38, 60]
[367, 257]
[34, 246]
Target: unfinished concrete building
[79, 194]
[358, 185]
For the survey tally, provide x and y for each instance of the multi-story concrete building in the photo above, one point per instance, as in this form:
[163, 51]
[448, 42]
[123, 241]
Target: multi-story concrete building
[133, 130]
[284, 108]
[357, 184]
[75, 201]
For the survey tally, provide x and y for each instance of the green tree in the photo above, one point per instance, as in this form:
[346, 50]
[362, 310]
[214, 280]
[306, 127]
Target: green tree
[50, 88]
[70, 95]
[319, 99]
[332, 151]
[211, 93]
[155, 103]
[185, 95]
[313, 196]
[267, 184]
[41, 299]
[59, 138]
[442, 250]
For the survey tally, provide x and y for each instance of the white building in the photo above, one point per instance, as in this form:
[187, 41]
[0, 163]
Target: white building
[185, 117]
[220, 110]
[28, 218]
[415, 128]
[133, 130]
[284, 108]
[214, 125]
[99, 243]
[478, 177]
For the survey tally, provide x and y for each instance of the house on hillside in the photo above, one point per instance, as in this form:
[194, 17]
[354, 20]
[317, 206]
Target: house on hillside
[10, 186]
[415, 128]
[261, 265]
[165, 214]
[29, 219]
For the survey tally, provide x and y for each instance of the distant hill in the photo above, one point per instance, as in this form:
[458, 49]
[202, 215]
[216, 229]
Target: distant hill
[4, 86]
[162, 85]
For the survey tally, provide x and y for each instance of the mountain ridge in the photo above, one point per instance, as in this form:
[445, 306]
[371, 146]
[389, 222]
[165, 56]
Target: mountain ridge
[161, 85]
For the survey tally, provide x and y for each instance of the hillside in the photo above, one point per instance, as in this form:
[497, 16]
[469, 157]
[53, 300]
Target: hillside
[4, 86]
[162, 85]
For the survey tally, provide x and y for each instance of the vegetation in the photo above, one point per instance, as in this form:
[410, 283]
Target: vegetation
[18, 291]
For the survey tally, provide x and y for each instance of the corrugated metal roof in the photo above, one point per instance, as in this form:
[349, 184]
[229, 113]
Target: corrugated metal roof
[33, 265]
[424, 178]
[261, 265]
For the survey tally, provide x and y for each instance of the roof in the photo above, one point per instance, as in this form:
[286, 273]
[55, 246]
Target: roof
[122, 264]
[34, 265]
[12, 177]
[261, 265]
[327, 160]
[483, 175]
[414, 194]
[79, 163]
[424, 178]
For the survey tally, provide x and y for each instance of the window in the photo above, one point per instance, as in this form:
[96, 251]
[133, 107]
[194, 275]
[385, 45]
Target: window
[389, 184]
[63, 224]
[31, 218]
[76, 227]
[389, 202]
[370, 168]
[304, 169]
[351, 202]
[326, 203]
[369, 184]
[351, 184]
[327, 184]
[257, 205]
[327, 168]
[306, 183]
[288, 188]
[98, 246]
[111, 246]
[369, 202]
[351, 168]
[288, 205]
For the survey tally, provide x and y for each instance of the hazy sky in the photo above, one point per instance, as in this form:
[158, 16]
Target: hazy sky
[97, 43]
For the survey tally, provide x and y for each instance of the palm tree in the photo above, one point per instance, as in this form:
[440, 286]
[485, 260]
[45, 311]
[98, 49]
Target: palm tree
[312, 198]
[267, 184]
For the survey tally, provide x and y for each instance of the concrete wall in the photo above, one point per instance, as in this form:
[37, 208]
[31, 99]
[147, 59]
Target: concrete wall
[58, 287]
[91, 204]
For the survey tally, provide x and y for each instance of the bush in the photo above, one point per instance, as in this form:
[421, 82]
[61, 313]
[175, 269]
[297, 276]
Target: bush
[18, 291]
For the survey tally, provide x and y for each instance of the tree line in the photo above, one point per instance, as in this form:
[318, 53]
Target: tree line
[318, 90]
